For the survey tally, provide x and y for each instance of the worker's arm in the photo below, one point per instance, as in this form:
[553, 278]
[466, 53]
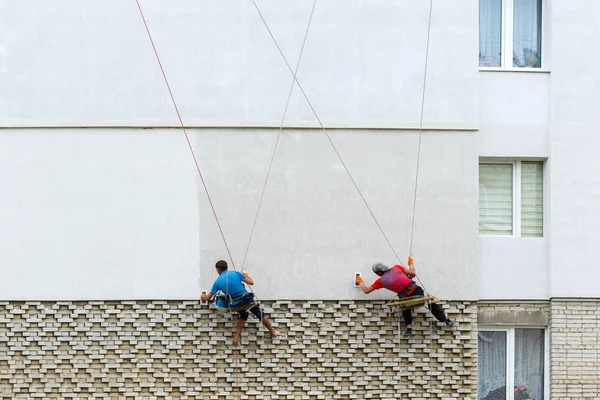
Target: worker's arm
[366, 289]
[247, 279]
[411, 270]
[206, 297]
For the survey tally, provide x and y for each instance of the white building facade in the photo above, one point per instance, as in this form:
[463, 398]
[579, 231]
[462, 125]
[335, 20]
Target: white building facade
[106, 230]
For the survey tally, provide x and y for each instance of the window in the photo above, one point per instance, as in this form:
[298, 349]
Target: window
[511, 198]
[510, 33]
[511, 363]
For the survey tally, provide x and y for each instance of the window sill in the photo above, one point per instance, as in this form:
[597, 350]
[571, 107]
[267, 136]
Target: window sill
[510, 236]
[498, 69]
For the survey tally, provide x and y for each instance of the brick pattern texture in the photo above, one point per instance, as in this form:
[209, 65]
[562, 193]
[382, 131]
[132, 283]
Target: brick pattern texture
[182, 350]
[575, 349]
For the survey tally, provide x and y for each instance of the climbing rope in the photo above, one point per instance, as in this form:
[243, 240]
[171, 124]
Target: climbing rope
[412, 228]
[278, 134]
[417, 170]
[419, 144]
[185, 132]
[234, 327]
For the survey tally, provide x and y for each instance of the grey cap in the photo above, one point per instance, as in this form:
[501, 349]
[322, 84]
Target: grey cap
[380, 267]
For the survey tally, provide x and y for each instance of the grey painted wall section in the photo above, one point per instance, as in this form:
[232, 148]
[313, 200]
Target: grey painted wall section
[314, 231]
[88, 63]
[526, 313]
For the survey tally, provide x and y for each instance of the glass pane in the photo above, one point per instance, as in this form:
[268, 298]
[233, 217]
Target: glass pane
[495, 199]
[490, 33]
[527, 33]
[529, 364]
[491, 365]
[532, 199]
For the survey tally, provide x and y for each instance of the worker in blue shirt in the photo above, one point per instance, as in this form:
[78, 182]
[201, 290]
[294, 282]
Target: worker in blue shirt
[231, 283]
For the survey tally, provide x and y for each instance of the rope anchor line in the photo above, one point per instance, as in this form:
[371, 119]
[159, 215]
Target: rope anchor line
[412, 227]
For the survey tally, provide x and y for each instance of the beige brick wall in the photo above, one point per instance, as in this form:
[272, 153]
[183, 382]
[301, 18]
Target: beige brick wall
[160, 349]
[575, 349]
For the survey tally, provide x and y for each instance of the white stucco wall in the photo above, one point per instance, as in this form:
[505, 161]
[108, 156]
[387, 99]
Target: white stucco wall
[96, 214]
[362, 66]
[120, 213]
[575, 144]
[513, 268]
[515, 125]
[555, 115]
[514, 109]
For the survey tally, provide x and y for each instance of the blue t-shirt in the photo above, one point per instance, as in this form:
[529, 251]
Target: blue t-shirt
[230, 282]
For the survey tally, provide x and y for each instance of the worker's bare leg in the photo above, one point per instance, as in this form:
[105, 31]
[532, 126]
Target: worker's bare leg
[238, 331]
[267, 323]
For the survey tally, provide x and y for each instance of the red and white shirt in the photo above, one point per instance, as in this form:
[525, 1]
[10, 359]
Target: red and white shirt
[394, 279]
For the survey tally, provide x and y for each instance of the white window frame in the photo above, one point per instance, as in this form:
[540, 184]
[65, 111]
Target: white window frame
[510, 356]
[506, 60]
[516, 200]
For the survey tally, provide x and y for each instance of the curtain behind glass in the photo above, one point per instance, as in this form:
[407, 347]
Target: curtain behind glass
[491, 365]
[527, 33]
[490, 33]
[532, 199]
[495, 199]
[529, 363]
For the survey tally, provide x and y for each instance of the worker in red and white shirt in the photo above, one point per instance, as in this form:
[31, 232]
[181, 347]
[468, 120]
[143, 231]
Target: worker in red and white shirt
[398, 279]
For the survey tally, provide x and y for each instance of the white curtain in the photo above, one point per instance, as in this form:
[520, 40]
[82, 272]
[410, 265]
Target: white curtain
[529, 362]
[491, 365]
[527, 33]
[532, 199]
[495, 199]
[490, 33]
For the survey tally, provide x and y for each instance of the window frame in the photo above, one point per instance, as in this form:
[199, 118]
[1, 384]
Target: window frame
[506, 34]
[510, 355]
[516, 200]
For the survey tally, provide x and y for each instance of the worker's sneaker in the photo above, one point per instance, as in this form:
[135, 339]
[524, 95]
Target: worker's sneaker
[408, 333]
[449, 322]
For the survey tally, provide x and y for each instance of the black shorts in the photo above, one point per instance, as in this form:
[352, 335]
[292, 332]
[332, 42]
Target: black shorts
[256, 311]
